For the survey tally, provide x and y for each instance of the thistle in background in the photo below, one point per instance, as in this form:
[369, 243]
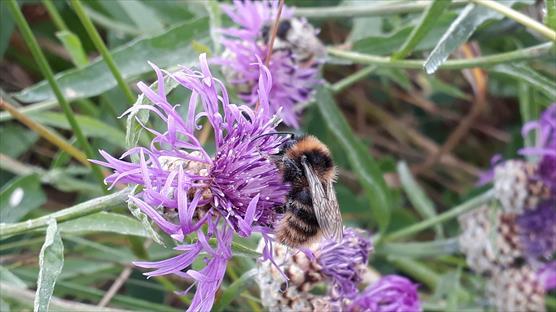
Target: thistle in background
[297, 56]
[512, 244]
[191, 194]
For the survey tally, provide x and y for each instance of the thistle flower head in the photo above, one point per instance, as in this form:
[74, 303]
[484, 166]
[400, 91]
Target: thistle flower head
[545, 146]
[537, 230]
[344, 263]
[392, 293]
[489, 239]
[295, 60]
[234, 190]
[516, 289]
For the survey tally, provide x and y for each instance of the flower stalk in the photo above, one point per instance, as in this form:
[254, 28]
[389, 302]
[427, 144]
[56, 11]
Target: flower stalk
[448, 215]
[86, 208]
[530, 53]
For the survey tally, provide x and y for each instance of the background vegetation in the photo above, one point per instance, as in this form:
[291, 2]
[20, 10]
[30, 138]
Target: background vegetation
[420, 96]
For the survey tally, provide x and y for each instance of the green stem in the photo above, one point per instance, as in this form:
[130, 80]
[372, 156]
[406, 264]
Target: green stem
[450, 214]
[351, 79]
[533, 52]
[365, 9]
[518, 17]
[101, 47]
[54, 15]
[47, 72]
[86, 208]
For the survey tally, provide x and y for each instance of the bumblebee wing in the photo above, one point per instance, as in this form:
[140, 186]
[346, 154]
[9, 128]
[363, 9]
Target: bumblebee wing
[325, 205]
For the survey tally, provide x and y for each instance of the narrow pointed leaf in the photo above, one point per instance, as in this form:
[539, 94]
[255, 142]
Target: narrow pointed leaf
[528, 75]
[461, 29]
[418, 198]
[51, 261]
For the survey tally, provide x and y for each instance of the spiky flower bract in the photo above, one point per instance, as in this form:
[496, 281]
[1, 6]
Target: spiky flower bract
[206, 198]
[294, 66]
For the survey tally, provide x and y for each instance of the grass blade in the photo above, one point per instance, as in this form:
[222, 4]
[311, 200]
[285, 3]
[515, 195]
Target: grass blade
[363, 165]
[428, 19]
[418, 198]
[529, 76]
[73, 45]
[51, 261]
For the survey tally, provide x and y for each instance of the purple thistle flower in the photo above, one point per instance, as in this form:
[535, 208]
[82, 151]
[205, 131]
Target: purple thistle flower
[545, 146]
[345, 263]
[233, 191]
[537, 230]
[294, 65]
[547, 276]
[392, 293]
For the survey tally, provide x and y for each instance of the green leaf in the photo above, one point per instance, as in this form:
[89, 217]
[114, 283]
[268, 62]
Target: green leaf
[6, 27]
[51, 261]
[168, 49]
[528, 75]
[383, 45]
[460, 30]
[19, 197]
[142, 16]
[360, 159]
[16, 139]
[6, 276]
[550, 19]
[428, 20]
[418, 198]
[72, 44]
[233, 291]
[4, 306]
[91, 127]
[105, 222]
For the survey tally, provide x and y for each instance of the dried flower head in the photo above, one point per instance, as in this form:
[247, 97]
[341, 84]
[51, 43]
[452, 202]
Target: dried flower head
[340, 266]
[296, 58]
[489, 239]
[516, 289]
[391, 293]
[232, 191]
[518, 187]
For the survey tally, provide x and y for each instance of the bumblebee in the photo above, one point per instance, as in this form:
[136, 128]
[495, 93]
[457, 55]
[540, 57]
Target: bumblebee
[311, 210]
